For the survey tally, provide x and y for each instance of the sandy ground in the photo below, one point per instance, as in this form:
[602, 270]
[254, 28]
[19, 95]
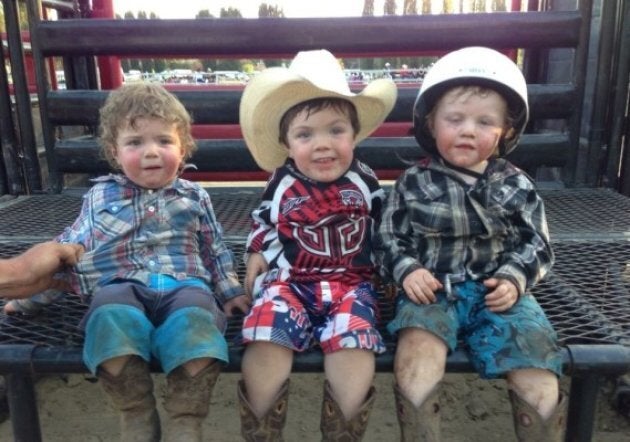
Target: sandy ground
[72, 408]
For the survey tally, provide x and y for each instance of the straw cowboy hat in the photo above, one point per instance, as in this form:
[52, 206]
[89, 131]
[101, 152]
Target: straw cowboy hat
[312, 74]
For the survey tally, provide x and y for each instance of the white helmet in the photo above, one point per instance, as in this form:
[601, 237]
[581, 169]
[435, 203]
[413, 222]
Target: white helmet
[479, 66]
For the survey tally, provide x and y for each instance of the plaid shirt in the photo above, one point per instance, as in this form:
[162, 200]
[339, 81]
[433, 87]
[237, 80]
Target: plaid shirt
[132, 233]
[493, 228]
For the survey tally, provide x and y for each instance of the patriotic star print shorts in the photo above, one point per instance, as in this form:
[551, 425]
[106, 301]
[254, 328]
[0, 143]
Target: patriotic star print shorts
[332, 314]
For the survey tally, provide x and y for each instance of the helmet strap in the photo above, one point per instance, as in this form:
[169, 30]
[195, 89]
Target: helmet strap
[462, 170]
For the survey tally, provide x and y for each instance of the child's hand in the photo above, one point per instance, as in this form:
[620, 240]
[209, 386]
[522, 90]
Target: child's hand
[256, 264]
[240, 303]
[502, 296]
[420, 286]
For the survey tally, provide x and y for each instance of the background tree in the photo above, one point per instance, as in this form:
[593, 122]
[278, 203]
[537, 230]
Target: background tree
[368, 8]
[228, 64]
[426, 7]
[499, 5]
[206, 63]
[204, 13]
[266, 10]
[144, 65]
[230, 13]
[389, 7]
[478, 6]
[157, 64]
[410, 7]
[129, 64]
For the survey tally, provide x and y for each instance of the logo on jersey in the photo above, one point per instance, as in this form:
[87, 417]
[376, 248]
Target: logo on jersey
[351, 197]
[366, 169]
[334, 240]
[293, 203]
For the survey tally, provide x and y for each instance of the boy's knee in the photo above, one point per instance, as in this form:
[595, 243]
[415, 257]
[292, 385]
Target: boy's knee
[420, 358]
[416, 343]
[533, 384]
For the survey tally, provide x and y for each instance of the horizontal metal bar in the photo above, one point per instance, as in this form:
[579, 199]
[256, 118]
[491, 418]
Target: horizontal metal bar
[274, 37]
[81, 107]
[577, 360]
[81, 155]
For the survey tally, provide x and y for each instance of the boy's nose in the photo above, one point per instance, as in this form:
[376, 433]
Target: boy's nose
[468, 127]
[322, 141]
[151, 149]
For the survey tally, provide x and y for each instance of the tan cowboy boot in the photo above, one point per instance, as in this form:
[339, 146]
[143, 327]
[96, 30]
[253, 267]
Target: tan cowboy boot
[529, 425]
[269, 427]
[421, 424]
[131, 393]
[335, 427]
[187, 400]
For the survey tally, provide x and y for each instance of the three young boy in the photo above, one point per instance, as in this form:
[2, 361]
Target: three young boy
[463, 234]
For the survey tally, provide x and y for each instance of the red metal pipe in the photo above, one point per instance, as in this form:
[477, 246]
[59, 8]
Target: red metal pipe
[110, 69]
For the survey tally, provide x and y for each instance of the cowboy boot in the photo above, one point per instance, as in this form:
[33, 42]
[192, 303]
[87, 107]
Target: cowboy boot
[131, 393]
[335, 427]
[187, 400]
[269, 427]
[529, 425]
[421, 424]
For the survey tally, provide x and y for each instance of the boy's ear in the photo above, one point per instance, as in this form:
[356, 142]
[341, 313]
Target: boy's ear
[509, 134]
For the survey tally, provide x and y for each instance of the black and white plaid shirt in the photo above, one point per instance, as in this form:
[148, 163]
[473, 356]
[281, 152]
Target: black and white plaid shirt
[495, 227]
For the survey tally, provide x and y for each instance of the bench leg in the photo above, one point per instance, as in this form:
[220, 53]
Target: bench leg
[23, 407]
[582, 405]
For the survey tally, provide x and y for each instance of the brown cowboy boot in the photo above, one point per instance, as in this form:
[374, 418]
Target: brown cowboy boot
[420, 424]
[529, 425]
[187, 400]
[269, 427]
[131, 393]
[335, 427]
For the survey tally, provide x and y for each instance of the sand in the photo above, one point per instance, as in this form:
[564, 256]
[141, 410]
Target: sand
[72, 408]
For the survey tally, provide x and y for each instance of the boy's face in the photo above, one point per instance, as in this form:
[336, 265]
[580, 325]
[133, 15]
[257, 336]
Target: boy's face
[321, 143]
[468, 126]
[150, 153]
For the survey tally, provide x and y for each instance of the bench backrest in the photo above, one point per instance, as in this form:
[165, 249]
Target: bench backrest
[551, 140]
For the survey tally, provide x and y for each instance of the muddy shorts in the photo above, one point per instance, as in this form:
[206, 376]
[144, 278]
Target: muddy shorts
[497, 343]
[171, 321]
[333, 314]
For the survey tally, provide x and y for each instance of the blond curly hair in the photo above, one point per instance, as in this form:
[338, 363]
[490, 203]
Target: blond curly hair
[125, 105]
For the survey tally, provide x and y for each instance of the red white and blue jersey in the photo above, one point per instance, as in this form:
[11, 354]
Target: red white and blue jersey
[310, 231]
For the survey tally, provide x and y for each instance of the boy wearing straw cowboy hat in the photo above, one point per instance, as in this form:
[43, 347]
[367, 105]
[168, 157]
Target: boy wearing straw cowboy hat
[309, 263]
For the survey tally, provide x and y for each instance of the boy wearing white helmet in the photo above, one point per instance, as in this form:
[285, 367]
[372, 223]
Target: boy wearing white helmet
[310, 260]
[464, 234]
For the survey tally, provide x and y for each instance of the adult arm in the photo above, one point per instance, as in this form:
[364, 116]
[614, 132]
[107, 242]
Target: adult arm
[33, 271]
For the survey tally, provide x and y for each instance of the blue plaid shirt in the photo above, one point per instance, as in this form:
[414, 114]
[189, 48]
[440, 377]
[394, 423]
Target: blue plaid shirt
[133, 233]
[495, 227]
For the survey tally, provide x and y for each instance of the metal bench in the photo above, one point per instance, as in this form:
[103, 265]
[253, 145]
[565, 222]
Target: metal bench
[586, 296]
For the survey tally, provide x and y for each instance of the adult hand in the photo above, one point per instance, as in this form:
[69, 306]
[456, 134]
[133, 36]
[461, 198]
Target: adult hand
[33, 271]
